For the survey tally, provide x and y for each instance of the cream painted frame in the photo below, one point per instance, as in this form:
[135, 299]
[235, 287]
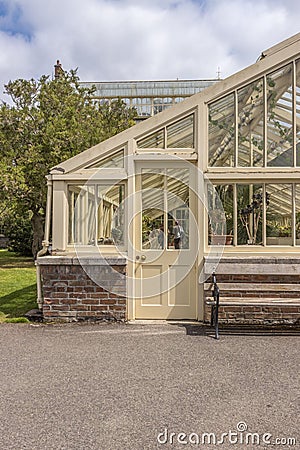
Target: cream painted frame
[73, 169]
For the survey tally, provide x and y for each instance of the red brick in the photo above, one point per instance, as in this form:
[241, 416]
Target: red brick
[61, 308]
[288, 309]
[68, 301]
[99, 295]
[90, 302]
[99, 308]
[107, 302]
[80, 308]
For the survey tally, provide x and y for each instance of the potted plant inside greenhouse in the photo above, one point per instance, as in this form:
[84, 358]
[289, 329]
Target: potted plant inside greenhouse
[250, 216]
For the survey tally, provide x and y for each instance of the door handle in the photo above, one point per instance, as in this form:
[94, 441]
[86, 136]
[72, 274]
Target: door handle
[142, 258]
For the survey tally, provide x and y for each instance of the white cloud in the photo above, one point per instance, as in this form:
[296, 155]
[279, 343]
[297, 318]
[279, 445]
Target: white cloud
[141, 39]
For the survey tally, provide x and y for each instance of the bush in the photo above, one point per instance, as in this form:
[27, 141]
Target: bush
[19, 232]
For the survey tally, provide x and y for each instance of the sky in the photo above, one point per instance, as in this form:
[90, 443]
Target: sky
[139, 39]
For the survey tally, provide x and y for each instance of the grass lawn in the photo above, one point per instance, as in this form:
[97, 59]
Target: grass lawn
[17, 285]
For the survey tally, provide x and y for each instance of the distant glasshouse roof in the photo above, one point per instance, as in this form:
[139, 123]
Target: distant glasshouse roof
[148, 97]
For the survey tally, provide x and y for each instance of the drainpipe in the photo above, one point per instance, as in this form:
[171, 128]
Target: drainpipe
[45, 243]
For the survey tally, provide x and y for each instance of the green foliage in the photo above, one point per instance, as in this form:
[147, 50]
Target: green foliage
[49, 122]
[16, 320]
[19, 231]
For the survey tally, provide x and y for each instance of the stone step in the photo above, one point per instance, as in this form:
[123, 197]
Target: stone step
[255, 301]
[257, 287]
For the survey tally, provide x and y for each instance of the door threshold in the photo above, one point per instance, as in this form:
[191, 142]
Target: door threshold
[163, 322]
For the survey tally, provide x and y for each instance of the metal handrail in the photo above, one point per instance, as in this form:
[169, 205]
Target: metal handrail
[214, 321]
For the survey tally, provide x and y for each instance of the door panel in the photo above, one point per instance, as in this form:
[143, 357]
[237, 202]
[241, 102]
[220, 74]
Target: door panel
[180, 295]
[148, 273]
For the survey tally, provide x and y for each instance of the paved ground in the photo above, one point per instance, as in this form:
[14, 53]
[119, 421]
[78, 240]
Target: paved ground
[110, 386]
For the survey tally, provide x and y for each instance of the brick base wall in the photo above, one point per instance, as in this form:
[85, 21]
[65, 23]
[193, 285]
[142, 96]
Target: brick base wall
[256, 290]
[71, 294]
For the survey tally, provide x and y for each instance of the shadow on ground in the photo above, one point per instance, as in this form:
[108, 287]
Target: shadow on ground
[17, 303]
[242, 330]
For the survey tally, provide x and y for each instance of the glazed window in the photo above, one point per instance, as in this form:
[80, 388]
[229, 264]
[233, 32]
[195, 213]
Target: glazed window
[179, 134]
[165, 201]
[250, 213]
[255, 125]
[221, 132]
[155, 140]
[280, 118]
[265, 214]
[81, 214]
[114, 161]
[96, 214]
[251, 125]
[220, 214]
[297, 111]
[279, 213]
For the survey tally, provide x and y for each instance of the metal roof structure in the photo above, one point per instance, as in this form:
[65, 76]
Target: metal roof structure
[148, 97]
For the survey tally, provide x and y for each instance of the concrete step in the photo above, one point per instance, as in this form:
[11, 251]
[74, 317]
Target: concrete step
[255, 301]
[255, 287]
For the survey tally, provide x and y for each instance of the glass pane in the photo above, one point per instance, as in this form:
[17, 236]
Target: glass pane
[73, 231]
[157, 105]
[250, 214]
[280, 114]
[116, 161]
[155, 140]
[298, 112]
[297, 207]
[220, 214]
[251, 125]
[153, 226]
[221, 135]
[82, 223]
[279, 214]
[181, 133]
[178, 208]
[91, 211]
[110, 215]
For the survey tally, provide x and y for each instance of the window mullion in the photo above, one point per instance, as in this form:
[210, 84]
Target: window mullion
[165, 138]
[294, 116]
[264, 217]
[236, 163]
[235, 215]
[166, 209]
[96, 213]
[265, 130]
[293, 214]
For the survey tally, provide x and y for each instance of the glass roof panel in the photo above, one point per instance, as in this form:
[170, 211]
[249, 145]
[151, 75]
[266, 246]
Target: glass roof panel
[280, 117]
[297, 108]
[155, 140]
[250, 124]
[221, 132]
[181, 134]
[114, 161]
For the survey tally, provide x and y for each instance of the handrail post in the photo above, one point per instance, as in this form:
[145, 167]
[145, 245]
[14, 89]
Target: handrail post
[215, 307]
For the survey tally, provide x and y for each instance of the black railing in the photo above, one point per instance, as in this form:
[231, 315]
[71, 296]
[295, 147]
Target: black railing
[214, 320]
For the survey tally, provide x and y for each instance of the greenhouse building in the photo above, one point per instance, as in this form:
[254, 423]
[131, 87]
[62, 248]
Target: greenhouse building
[139, 222]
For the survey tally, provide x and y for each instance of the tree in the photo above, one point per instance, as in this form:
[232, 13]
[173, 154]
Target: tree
[49, 121]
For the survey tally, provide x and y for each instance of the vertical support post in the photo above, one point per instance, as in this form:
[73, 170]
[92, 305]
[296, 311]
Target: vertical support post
[215, 307]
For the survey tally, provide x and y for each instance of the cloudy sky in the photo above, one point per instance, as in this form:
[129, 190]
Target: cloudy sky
[139, 39]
